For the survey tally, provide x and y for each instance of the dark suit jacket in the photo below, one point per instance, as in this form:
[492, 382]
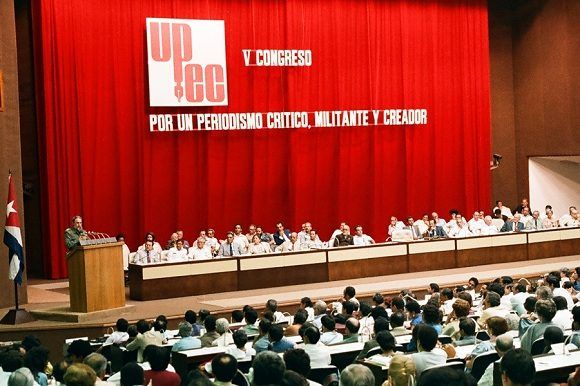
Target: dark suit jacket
[508, 226]
[279, 239]
[342, 240]
[437, 232]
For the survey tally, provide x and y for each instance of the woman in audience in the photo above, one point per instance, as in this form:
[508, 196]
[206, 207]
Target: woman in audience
[159, 358]
[401, 371]
[460, 309]
[300, 318]
[21, 377]
[187, 342]
[529, 317]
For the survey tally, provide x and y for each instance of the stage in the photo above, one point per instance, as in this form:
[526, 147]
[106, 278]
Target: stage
[45, 295]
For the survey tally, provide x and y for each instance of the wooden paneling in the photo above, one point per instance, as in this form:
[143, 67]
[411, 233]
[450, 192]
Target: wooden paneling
[96, 279]
[431, 260]
[495, 255]
[276, 277]
[352, 269]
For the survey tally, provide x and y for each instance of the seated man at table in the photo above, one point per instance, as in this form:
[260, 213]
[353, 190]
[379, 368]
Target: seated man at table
[381, 324]
[488, 228]
[434, 231]
[159, 358]
[120, 335]
[428, 355]
[146, 337]
[517, 368]
[312, 241]
[318, 353]
[397, 321]
[329, 333]
[177, 253]
[291, 245]
[352, 327]
[467, 337]
[461, 229]
[513, 224]
[200, 251]
[300, 318]
[503, 344]
[387, 344]
[278, 343]
[361, 239]
[147, 255]
[229, 247]
[187, 342]
[238, 350]
[344, 238]
[222, 327]
[210, 324]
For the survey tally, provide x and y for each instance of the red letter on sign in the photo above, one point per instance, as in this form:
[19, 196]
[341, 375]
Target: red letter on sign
[160, 42]
[214, 82]
[194, 85]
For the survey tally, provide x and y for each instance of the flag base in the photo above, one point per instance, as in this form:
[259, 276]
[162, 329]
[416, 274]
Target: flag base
[18, 316]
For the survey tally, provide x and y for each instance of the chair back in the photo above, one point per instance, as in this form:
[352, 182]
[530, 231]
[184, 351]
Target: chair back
[481, 362]
[319, 374]
[538, 347]
[482, 335]
[445, 339]
[373, 351]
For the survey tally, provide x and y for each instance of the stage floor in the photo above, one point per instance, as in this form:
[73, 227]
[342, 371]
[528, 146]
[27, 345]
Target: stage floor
[43, 295]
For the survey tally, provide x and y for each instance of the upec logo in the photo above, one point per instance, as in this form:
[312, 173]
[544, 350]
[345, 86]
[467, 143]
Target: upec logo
[187, 62]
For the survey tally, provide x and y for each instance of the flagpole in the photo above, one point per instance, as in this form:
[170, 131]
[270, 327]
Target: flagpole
[16, 295]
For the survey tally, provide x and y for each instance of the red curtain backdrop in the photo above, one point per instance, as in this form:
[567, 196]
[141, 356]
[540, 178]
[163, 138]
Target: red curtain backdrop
[99, 159]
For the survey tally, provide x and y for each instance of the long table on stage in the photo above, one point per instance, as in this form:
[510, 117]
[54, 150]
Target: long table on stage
[168, 280]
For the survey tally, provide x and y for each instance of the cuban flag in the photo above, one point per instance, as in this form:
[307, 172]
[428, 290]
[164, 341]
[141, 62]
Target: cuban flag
[12, 236]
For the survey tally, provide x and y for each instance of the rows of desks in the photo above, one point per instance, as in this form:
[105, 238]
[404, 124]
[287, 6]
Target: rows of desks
[169, 280]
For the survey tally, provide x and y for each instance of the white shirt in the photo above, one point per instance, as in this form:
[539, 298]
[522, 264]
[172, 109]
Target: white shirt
[331, 337]
[440, 223]
[525, 219]
[141, 257]
[243, 242]
[175, 254]
[505, 211]
[240, 354]
[476, 225]
[116, 337]
[460, 232]
[212, 242]
[319, 355]
[196, 253]
[422, 226]
[334, 234]
[398, 225]
[363, 240]
[312, 244]
[488, 230]
[425, 359]
[564, 293]
[289, 246]
[258, 249]
[126, 253]
[563, 318]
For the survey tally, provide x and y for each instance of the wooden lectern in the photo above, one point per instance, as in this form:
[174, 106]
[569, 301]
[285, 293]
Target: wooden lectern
[96, 278]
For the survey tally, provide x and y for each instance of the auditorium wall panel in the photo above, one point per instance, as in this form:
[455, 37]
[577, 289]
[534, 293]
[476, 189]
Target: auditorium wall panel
[9, 144]
[535, 113]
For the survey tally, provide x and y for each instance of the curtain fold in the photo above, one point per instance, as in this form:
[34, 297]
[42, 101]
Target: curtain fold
[99, 159]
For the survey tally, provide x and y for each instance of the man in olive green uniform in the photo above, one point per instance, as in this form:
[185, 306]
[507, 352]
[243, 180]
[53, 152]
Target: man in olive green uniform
[75, 233]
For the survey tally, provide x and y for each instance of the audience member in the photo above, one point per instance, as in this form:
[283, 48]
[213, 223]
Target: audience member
[268, 369]
[297, 360]
[319, 355]
[428, 354]
[145, 338]
[387, 344]
[517, 368]
[300, 318]
[261, 343]
[329, 333]
[159, 358]
[187, 342]
[211, 334]
[467, 327]
[278, 343]
[503, 344]
[79, 374]
[351, 328]
[36, 360]
[444, 376]
[132, 374]
[238, 349]
[357, 375]
[191, 318]
[381, 324]
[224, 367]
[21, 377]
[401, 371]
[545, 310]
[98, 363]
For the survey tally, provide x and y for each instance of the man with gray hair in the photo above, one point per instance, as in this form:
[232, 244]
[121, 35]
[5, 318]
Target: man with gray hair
[357, 375]
[187, 342]
[503, 344]
[319, 312]
[268, 369]
[21, 377]
[98, 363]
[222, 327]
